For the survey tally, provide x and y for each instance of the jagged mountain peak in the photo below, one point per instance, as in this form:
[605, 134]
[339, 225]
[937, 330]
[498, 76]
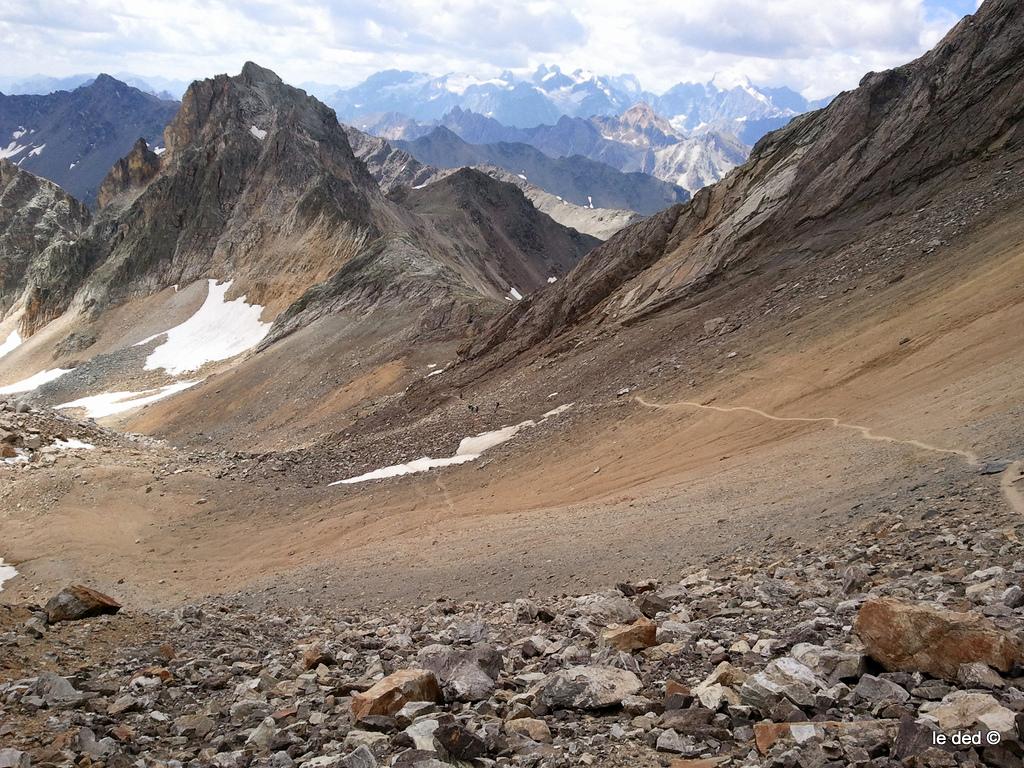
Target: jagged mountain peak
[254, 74]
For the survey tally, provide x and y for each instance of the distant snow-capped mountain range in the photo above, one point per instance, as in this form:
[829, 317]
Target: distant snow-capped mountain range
[549, 94]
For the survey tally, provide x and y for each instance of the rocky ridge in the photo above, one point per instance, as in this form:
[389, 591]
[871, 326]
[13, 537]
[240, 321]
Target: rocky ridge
[901, 146]
[395, 168]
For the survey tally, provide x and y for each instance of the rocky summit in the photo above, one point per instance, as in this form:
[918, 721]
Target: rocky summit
[533, 421]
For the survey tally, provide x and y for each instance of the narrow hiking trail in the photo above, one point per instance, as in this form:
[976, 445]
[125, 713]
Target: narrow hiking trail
[865, 432]
[1008, 479]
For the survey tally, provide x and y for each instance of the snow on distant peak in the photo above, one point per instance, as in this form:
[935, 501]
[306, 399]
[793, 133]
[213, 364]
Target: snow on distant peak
[259, 133]
[457, 83]
[727, 81]
[219, 330]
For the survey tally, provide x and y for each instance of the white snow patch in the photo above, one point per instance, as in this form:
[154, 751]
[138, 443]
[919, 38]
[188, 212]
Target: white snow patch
[219, 330]
[32, 382]
[515, 294]
[7, 572]
[110, 403]
[12, 342]
[552, 279]
[71, 444]
[259, 133]
[521, 176]
[590, 201]
[19, 133]
[159, 150]
[38, 150]
[470, 449]
[72, 166]
[559, 410]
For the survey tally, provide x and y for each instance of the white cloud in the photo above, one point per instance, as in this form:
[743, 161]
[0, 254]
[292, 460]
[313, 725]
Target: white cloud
[818, 46]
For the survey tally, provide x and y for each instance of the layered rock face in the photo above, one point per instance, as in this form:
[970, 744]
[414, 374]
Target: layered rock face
[808, 189]
[38, 224]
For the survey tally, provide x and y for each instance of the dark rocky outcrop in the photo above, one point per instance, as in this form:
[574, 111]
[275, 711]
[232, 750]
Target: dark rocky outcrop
[132, 172]
[79, 602]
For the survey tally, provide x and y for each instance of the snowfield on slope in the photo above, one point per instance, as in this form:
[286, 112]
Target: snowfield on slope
[219, 330]
[470, 449]
[111, 403]
[32, 382]
[11, 343]
[7, 572]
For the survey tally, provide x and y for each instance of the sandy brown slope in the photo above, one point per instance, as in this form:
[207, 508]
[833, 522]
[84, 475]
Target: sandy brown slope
[672, 486]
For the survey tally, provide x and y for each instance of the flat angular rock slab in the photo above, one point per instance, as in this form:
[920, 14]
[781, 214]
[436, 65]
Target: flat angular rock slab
[79, 602]
[396, 690]
[594, 687]
[911, 637]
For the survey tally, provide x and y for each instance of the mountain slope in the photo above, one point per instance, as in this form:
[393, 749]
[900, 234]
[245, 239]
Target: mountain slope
[813, 188]
[577, 179]
[74, 137]
[395, 168]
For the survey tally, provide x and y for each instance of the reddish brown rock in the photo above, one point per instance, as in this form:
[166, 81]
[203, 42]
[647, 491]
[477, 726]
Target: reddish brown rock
[631, 637]
[912, 637]
[79, 602]
[394, 692]
[530, 727]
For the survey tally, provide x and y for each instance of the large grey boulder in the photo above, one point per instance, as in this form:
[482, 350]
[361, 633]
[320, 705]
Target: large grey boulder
[595, 687]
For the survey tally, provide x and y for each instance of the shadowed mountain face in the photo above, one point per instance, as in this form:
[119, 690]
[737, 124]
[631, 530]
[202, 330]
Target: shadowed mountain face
[809, 189]
[74, 137]
[38, 223]
[576, 179]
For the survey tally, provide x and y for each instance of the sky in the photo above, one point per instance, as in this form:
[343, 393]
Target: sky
[818, 47]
